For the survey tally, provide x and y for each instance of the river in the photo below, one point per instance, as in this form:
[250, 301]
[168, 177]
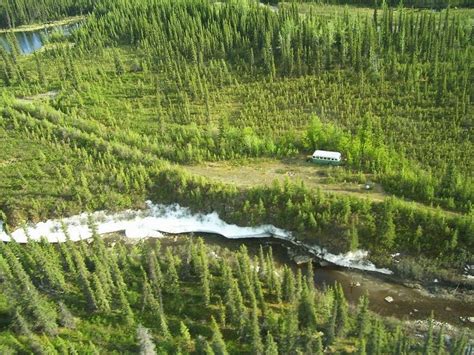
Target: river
[408, 304]
[159, 221]
[31, 41]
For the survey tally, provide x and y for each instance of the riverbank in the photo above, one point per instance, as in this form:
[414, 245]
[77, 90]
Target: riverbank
[412, 306]
[42, 26]
[173, 269]
[352, 270]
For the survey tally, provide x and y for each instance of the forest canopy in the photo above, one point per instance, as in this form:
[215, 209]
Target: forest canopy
[14, 13]
[147, 97]
[117, 112]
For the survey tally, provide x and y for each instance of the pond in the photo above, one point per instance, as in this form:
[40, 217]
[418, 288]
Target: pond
[31, 41]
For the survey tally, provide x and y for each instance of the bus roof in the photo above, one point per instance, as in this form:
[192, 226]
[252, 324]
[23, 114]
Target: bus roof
[327, 154]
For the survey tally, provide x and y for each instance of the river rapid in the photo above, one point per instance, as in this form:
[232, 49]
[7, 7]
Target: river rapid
[352, 270]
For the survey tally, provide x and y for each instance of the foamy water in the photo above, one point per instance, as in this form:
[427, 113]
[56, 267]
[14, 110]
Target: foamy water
[171, 219]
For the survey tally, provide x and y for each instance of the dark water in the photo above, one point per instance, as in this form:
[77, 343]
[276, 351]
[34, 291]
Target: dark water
[30, 41]
[406, 300]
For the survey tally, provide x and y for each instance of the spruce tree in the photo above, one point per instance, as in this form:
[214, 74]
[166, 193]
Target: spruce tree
[271, 347]
[288, 285]
[99, 294]
[306, 309]
[21, 324]
[429, 346]
[145, 341]
[235, 306]
[43, 315]
[66, 319]
[154, 272]
[185, 340]
[342, 310]
[255, 337]
[331, 325]
[440, 348]
[119, 69]
[362, 320]
[258, 291]
[460, 344]
[361, 350]
[171, 276]
[289, 332]
[124, 307]
[217, 342]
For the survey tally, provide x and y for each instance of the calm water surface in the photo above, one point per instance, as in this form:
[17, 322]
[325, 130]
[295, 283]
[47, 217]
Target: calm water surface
[30, 41]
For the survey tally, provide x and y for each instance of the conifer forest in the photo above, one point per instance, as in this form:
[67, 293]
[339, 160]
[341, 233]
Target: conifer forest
[218, 106]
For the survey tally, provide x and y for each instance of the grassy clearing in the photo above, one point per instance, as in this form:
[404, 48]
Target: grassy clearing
[263, 172]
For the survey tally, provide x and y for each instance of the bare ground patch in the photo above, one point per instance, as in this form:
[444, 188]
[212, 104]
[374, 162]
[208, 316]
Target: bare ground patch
[261, 172]
[265, 171]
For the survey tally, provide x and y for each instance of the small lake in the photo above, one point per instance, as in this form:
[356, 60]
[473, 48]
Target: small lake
[31, 41]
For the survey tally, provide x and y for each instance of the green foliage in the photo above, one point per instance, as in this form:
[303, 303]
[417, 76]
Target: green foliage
[99, 120]
[136, 321]
[19, 12]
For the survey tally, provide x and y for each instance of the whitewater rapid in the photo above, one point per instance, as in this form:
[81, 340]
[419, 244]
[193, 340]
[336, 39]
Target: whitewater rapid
[157, 219]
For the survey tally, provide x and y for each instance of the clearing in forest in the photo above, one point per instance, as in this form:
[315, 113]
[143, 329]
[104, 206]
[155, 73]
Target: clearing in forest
[258, 172]
[265, 171]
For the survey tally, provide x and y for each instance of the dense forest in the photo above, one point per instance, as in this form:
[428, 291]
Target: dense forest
[430, 4]
[389, 90]
[15, 13]
[118, 111]
[143, 298]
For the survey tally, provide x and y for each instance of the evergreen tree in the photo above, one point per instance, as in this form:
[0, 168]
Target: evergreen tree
[376, 339]
[256, 339]
[99, 295]
[21, 324]
[154, 272]
[271, 347]
[363, 324]
[66, 319]
[83, 280]
[20, 284]
[306, 309]
[39, 68]
[429, 346]
[362, 347]
[288, 285]
[119, 69]
[257, 285]
[171, 276]
[387, 229]
[440, 347]
[331, 325]
[217, 343]
[342, 310]
[145, 341]
[124, 307]
[185, 340]
[460, 344]
[288, 331]
[235, 306]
